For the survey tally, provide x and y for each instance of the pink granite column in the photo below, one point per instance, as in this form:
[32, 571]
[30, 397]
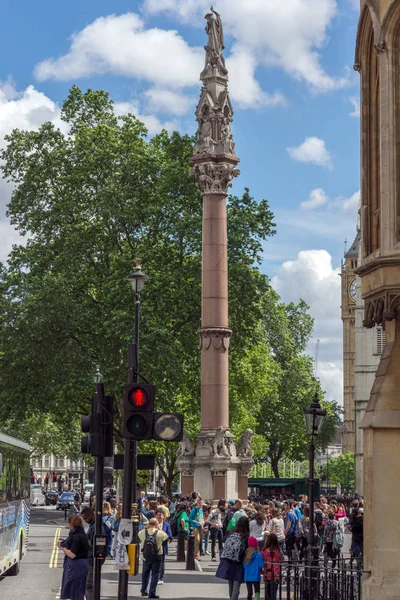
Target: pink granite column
[214, 333]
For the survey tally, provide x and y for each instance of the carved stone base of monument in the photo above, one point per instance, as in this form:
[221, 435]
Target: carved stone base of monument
[215, 467]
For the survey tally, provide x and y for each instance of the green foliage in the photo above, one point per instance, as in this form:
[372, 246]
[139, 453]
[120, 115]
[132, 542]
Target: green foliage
[92, 200]
[340, 470]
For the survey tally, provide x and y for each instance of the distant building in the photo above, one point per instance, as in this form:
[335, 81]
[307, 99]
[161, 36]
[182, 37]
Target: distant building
[63, 473]
[362, 349]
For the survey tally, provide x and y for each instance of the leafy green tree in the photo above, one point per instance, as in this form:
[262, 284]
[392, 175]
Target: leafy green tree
[340, 470]
[89, 201]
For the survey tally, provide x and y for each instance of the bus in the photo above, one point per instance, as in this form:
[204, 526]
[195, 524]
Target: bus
[14, 503]
[267, 488]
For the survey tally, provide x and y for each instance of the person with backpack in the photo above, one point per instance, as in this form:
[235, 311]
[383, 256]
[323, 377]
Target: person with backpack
[164, 526]
[273, 558]
[233, 552]
[319, 520]
[253, 563]
[152, 539]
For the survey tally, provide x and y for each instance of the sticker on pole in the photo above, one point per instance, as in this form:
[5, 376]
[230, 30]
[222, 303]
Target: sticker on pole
[125, 532]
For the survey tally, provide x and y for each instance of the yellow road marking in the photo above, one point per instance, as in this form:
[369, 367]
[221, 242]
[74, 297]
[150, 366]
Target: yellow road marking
[54, 555]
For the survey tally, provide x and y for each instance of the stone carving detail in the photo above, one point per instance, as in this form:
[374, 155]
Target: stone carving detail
[381, 308]
[215, 337]
[380, 47]
[214, 156]
[215, 45]
[243, 447]
[357, 67]
[219, 447]
[214, 178]
[186, 447]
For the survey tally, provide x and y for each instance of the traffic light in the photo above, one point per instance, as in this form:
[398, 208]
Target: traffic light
[33, 479]
[91, 424]
[47, 479]
[54, 477]
[138, 411]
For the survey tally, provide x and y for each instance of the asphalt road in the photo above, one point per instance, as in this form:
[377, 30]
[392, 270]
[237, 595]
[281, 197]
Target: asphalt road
[41, 567]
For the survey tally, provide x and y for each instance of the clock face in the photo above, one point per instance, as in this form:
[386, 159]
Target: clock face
[352, 290]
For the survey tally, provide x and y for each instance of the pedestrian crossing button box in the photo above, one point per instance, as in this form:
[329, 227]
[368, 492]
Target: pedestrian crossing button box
[100, 547]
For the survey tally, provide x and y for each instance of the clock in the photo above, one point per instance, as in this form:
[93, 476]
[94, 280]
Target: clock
[352, 289]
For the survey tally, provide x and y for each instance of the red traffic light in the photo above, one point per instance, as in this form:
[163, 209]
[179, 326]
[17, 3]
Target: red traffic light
[139, 397]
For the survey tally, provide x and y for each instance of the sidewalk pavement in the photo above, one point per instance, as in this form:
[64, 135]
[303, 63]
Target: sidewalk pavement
[178, 583]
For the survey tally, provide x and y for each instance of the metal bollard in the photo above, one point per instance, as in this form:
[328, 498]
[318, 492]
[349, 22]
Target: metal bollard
[190, 564]
[180, 547]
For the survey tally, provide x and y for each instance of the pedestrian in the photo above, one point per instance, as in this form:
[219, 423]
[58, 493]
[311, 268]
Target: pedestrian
[290, 529]
[305, 529]
[236, 514]
[329, 535]
[215, 523]
[277, 526]
[75, 571]
[163, 506]
[257, 528]
[196, 522]
[357, 532]
[273, 558]
[108, 520]
[152, 539]
[164, 526]
[206, 531]
[252, 564]
[233, 552]
[87, 514]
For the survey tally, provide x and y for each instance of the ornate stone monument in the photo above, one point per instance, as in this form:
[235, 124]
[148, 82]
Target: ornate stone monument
[215, 467]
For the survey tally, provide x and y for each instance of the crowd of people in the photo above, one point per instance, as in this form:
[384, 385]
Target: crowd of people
[251, 539]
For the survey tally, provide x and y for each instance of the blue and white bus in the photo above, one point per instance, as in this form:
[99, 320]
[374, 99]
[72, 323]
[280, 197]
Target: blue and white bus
[14, 503]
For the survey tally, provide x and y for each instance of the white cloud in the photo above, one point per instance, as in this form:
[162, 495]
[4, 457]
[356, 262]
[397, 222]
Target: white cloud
[312, 150]
[243, 85]
[316, 199]
[352, 204]
[122, 46]
[355, 102]
[164, 100]
[313, 278]
[289, 34]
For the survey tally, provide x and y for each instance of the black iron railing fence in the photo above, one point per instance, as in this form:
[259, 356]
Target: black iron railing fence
[298, 581]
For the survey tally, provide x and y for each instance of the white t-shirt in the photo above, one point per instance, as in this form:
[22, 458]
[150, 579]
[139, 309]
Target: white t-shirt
[277, 526]
[257, 530]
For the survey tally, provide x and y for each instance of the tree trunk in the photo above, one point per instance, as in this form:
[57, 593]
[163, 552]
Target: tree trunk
[275, 466]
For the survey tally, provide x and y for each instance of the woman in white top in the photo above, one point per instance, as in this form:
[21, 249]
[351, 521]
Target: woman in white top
[257, 528]
[277, 526]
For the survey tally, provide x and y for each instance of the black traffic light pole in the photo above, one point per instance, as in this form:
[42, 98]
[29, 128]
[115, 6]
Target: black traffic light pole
[98, 490]
[130, 457]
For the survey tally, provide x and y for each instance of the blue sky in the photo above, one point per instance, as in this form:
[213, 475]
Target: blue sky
[294, 92]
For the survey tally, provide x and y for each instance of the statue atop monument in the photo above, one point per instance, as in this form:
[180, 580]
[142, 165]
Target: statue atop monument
[215, 45]
[214, 116]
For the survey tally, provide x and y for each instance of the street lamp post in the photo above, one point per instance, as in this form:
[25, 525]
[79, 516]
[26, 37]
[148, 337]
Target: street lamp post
[129, 505]
[99, 478]
[314, 417]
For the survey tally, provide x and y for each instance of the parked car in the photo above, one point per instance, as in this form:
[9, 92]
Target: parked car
[37, 498]
[52, 497]
[66, 500]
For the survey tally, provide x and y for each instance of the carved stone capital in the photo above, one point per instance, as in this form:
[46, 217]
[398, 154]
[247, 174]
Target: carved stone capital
[214, 177]
[381, 308]
[215, 337]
